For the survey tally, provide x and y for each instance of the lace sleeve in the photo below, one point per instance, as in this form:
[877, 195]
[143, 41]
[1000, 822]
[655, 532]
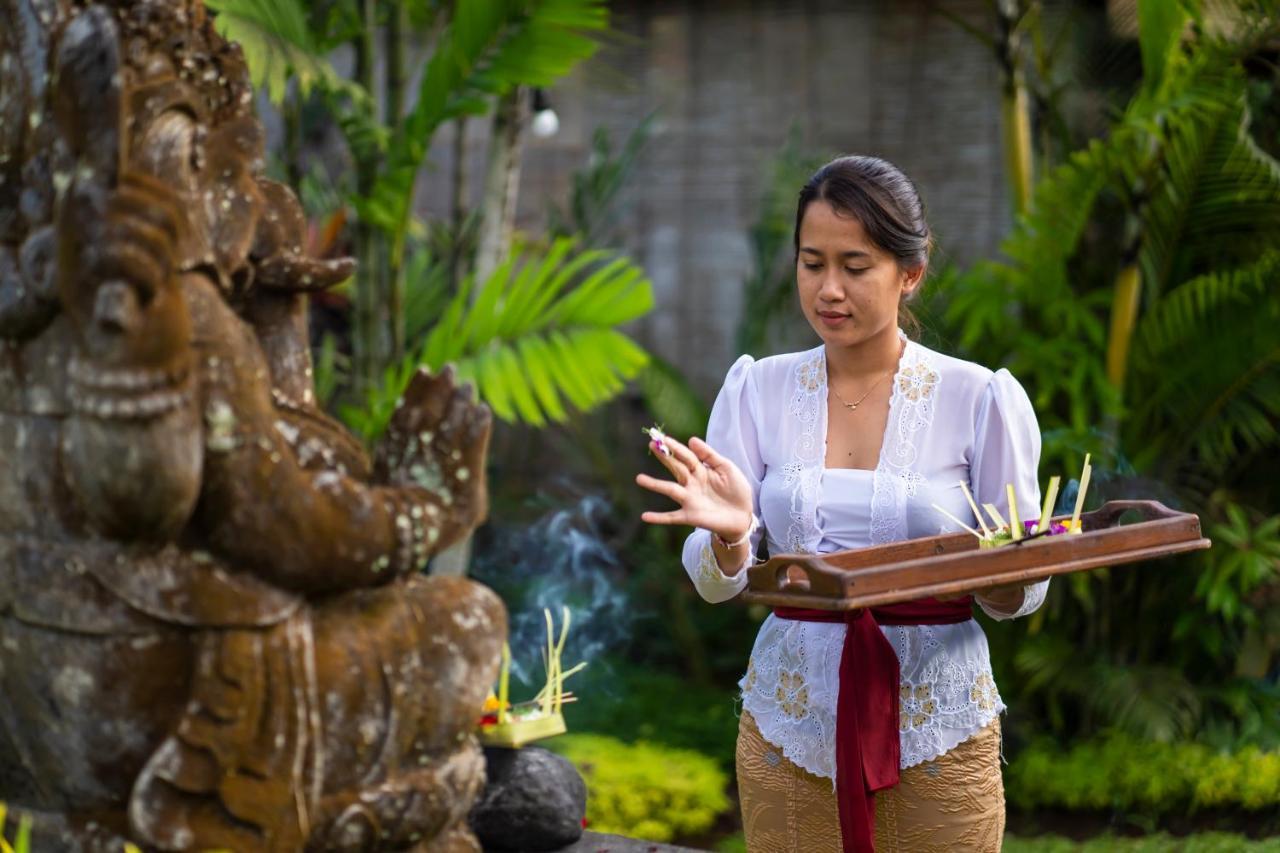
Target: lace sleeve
[1007, 450]
[732, 432]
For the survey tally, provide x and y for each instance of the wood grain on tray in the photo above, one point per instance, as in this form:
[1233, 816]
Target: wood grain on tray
[953, 562]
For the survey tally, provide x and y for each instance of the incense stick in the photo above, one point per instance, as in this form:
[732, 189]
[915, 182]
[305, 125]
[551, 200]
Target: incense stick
[973, 505]
[958, 521]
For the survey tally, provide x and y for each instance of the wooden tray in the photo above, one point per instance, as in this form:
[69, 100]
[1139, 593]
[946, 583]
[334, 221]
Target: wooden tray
[953, 562]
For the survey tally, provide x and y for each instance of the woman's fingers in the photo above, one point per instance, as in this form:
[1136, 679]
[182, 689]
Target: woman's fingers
[673, 517]
[663, 487]
[705, 453]
[677, 463]
[685, 456]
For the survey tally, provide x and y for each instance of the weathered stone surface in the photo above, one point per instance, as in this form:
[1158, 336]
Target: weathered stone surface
[534, 800]
[213, 632]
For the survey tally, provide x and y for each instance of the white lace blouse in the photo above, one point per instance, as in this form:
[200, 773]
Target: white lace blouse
[949, 420]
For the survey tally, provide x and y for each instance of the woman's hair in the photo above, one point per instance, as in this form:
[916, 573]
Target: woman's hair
[884, 201]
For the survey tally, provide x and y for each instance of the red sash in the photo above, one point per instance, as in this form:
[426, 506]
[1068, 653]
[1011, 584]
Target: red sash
[867, 744]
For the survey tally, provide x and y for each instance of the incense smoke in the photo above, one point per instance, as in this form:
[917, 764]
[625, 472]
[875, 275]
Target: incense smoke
[561, 560]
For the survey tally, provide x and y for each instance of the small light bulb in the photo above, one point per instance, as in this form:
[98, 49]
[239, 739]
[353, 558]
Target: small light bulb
[545, 123]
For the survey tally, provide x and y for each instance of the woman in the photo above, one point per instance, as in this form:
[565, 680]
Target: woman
[844, 446]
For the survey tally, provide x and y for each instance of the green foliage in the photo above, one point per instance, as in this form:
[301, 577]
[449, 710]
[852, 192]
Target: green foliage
[330, 366]
[539, 332]
[1180, 193]
[632, 702]
[733, 844]
[1205, 842]
[22, 841]
[593, 209]
[487, 49]
[478, 51]
[674, 403]
[1198, 203]
[593, 213]
[1143, 778]
[278, 44]
[646, 791]
[1250, 559]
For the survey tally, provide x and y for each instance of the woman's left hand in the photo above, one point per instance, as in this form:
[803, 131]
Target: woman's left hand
[1006, 598]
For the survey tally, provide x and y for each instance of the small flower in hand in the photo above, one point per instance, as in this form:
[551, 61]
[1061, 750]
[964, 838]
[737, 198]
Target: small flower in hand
[657, 440]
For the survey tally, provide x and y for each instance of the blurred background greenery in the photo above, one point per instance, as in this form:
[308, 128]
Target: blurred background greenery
[1134, 292]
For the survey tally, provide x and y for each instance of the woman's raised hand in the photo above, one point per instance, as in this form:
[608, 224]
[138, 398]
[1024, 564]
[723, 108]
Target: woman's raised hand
[713, 494]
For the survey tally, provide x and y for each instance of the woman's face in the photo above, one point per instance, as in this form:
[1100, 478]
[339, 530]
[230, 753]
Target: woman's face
[849, 287]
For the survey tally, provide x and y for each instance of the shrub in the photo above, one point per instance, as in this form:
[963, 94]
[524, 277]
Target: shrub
[1206, 842]
[1123, 774]
[643, 790]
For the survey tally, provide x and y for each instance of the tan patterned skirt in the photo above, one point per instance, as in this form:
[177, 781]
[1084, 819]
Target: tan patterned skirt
[954, 803]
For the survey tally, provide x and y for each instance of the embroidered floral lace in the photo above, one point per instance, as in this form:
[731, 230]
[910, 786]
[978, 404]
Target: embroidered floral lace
[948, 420]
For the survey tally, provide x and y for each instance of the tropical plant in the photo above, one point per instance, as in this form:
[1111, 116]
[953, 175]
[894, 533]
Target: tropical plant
[1143, 778]
[1136, 301]
[539, 332]
[479, 52]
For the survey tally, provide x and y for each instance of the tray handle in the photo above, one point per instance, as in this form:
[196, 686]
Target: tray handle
[820, 577]
[1109, 513]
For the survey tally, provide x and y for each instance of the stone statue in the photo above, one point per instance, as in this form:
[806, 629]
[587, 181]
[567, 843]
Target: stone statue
[213, 633]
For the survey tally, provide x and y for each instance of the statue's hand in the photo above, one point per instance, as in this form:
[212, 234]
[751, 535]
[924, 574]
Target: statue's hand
[118, 274]
[437, 440]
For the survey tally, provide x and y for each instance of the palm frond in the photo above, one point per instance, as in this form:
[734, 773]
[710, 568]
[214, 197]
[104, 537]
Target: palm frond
[1217, 198]
[1152, 702]
[1161, 24]
[538, 338]
[277, 45]
[1209, 361]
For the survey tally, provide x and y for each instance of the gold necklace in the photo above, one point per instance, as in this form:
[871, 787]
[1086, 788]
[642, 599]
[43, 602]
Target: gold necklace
[853, 407]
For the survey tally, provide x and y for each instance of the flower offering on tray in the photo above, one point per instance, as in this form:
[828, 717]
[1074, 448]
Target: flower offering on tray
[1014, 530]
[505, 724]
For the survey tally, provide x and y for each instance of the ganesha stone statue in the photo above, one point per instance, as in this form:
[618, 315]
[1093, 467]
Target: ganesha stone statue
[213, 629]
